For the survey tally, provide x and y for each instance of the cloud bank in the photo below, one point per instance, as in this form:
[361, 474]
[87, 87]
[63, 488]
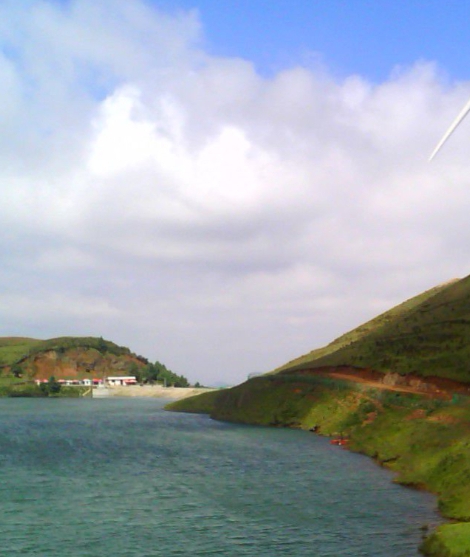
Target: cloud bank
[201, 214]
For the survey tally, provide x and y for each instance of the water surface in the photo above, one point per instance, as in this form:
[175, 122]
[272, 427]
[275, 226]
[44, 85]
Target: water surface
[123, 478]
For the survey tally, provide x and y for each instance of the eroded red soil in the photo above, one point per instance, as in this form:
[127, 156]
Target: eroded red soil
[433, 387]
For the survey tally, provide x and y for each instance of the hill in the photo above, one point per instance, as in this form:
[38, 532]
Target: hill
[428, 335]
[78, 358]
[66, 357]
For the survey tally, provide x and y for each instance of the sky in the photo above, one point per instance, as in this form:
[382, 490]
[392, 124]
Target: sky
[224, 186]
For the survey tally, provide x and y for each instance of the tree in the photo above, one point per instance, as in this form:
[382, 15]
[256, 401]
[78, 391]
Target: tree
[135, 370]
[53, 386]
[16, 370]
[150, 373]
[44, 388]
[102, 346]
[169, 377]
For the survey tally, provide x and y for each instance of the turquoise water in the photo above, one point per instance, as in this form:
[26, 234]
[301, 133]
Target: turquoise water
[121, 477]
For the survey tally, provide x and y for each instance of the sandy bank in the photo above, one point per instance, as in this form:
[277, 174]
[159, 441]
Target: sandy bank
[156, 391]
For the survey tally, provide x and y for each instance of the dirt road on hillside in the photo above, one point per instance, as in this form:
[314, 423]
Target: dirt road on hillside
[432, 387]
[379, 385]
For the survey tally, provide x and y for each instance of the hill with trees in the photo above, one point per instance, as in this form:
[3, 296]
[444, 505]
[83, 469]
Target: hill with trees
[78, 358]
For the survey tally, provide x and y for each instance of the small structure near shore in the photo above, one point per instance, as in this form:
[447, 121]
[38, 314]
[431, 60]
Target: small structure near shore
[340, 441]
[124, 380]
[73, 382]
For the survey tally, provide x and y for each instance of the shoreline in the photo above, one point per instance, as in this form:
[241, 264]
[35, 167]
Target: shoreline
[423, 441]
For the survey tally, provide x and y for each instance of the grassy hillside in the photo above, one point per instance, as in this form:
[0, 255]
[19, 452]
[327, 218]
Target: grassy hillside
[426, 335]
[65, 357]
[13, 349]
[363, 330]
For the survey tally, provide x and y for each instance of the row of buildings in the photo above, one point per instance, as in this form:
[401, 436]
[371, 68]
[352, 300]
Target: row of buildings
[124, 380]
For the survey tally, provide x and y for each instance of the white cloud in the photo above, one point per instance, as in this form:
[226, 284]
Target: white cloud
[203, 215]
[57, 306]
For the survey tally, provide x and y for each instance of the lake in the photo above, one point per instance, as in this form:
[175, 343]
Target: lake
[122, 477]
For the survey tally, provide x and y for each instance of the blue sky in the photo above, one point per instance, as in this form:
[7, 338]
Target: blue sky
[223, 186]
[367, 37]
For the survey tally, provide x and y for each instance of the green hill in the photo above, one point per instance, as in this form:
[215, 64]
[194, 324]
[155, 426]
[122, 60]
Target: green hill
[66, 357]
[426, 335]
[77, 358]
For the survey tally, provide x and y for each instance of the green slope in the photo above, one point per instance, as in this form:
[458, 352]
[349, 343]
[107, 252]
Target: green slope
[17, 349]
[426, 335]
[366, 328]
[14, 348]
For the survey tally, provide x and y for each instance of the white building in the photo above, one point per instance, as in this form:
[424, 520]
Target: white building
[123, 380]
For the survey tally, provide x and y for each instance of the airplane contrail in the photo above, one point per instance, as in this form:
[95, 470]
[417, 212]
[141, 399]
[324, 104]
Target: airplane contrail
[452, 127]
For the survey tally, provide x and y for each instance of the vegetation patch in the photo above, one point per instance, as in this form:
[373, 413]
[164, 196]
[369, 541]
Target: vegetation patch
[198, 404]
[50, 389]
[449, 540]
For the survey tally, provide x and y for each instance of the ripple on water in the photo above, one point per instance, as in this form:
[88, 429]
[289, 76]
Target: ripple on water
[123, 478]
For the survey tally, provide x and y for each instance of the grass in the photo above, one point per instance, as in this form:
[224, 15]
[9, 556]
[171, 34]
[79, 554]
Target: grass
[62, 344]
[449, 540]
[19, 389]
[198, 404]
[423, 448]
[13, 349]
[426, 335]
[381, 321]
